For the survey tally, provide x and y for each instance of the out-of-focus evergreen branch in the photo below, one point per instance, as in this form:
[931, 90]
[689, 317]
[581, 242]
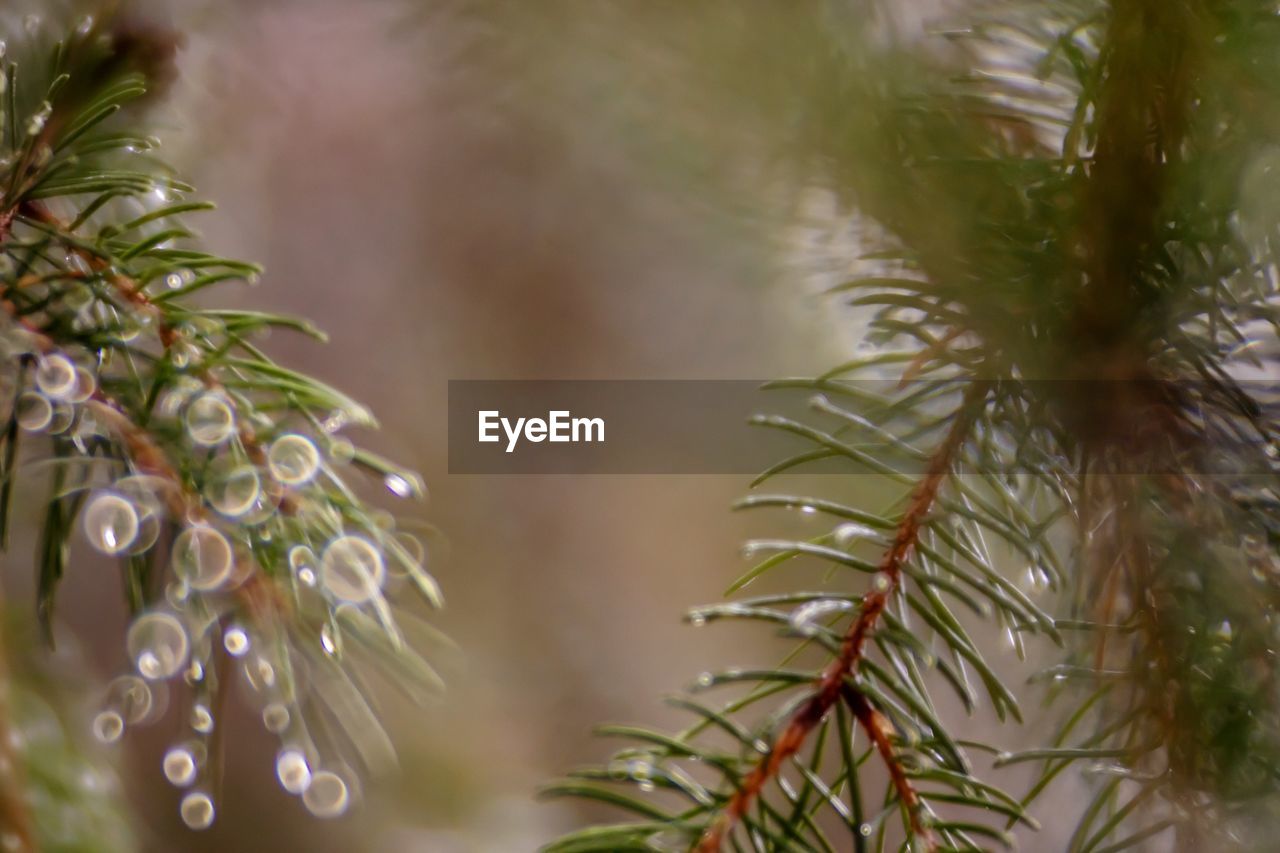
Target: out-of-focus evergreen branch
[1074, 204]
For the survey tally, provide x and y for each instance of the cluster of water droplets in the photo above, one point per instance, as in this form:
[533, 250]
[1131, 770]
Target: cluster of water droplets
[54, 390]
[241, 495]
[330, 561]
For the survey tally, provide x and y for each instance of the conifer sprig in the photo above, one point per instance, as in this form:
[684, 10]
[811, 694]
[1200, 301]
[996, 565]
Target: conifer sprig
[1072, 217]
[219, 479]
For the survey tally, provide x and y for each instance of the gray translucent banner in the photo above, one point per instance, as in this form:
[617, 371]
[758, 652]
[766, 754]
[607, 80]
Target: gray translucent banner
[747, 426]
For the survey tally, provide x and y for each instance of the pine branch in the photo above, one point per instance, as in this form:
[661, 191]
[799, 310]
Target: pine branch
[217, 478]
[1068, 210]
[839, 679]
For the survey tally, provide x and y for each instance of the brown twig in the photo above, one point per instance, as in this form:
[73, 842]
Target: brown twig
[835, 683]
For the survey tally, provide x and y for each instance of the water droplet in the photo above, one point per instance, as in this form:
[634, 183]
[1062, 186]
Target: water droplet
[201, 719]
[275, 717]
[293, 459]
[327, 795]
[805, 618]
[697, 618]
[158, 645]
[235, 641]
[86, 384]
[108, 726]
[881, 582]
[706, 679]
[352, 569]
[110, 523]
[202, 557]
[1035, 580]
[341, 450]
[849, 533]
[131, 697]
[261, 674]
[36, 123]
[234, 492]
[210, 419]
[194, 674]
[196, 810]
[34, 411]
[864, 830]
[173, 280]
[328, 641]
[400, 486]
[301, 557]
[179, 766]
[292, 771]
[56, 375]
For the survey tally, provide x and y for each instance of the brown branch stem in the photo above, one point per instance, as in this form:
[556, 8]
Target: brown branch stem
[836, 681]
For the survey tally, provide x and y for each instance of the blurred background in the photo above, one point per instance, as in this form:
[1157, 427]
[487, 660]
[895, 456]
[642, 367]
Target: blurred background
[499, 190]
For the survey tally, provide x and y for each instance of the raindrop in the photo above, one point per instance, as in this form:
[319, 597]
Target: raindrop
[210, 419]
[132, 697]
[849, 533]
[201, 719]
[235, 492]
[56, 376]
[352, 569]
[86, 384]
[697, 618]
[275, 717]
[341, 450]
[303, 560]
[864, 830]
[293, 459]
[260, 674]
[805, 618]
[173, 280]
[292, 771]
[108, 726]
[202, 557]
[400, 486]
[179, 766]
[328, 640]
[158, 645]
[327, 795]
[1035, 580]
[194, 673]
[110, 522]
[196, 810]
[33, 411]
[236, 642]
[881, 582]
